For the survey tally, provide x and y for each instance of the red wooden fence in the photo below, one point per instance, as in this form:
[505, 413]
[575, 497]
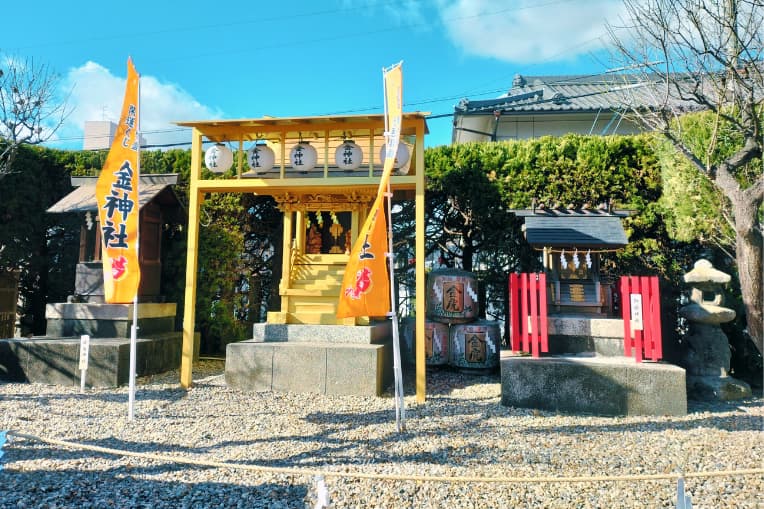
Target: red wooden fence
[528, 313]
[640, 304]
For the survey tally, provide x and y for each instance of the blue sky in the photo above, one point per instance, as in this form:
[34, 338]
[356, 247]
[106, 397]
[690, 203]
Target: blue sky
[203, 60]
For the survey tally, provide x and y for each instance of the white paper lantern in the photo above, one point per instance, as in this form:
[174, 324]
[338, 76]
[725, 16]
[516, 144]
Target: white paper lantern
[260, 158]
[303, 156]
[348, 156]
[401, 157]
[218, 158]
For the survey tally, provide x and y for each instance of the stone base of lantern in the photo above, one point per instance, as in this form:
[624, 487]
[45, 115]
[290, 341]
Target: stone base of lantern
[718, 388]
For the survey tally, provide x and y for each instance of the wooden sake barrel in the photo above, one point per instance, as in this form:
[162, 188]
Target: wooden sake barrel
[435, 343]
[452, 296]
[475, 345]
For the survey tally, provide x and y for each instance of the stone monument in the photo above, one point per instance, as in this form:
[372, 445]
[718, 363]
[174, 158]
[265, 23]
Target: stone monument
[707, 359]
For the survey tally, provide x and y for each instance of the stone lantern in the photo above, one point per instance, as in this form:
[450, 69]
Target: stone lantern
[707, 359]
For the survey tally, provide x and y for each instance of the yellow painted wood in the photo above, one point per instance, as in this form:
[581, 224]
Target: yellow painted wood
[287, 252]
[421, 373]
[192, 258]
[240, 162]
[326, 154]
[304, 185]
[308, 292]
[299, 238]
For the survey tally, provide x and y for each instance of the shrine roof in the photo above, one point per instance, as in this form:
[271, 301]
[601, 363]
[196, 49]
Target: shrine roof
[575, 229]
[83, 198]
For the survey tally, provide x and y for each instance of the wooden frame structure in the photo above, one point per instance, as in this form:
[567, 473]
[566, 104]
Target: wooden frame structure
[283, 183]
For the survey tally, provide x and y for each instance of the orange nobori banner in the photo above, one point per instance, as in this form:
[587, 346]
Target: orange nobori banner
[365, 287]
[118, 205]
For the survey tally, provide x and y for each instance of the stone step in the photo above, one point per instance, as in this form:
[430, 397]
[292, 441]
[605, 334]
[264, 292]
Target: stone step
[377, 332]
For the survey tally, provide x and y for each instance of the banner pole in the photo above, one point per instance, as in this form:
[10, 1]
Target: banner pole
[400, 410]
[133, 344]
[134, 327]
[400, 407]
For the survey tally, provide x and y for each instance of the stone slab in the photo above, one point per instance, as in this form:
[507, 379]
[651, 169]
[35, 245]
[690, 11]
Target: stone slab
[607, 347]
[593, 385]
[317, 367]
[95, 311]
[376, 333]
[108, 320]
[108, 328]
[56, 360]
[582, 325]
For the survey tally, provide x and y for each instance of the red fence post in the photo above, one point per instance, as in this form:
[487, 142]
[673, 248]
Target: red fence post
[524, 311]
[534, 328]
[514, 316]
[543, 313]
[638, 344]
[528, 313]
[647, 329]
[655, 318]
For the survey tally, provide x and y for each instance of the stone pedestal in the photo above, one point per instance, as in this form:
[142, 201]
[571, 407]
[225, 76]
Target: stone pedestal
[586, 372]
[602, 385]
[324, 359]
[54, 358]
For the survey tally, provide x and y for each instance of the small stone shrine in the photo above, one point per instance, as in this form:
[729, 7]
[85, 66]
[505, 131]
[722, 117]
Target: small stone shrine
[53, 358]
[707, 358]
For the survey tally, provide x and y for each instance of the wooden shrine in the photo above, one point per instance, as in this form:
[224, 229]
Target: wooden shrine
[158, 206]
[571, 241]
[323, 172]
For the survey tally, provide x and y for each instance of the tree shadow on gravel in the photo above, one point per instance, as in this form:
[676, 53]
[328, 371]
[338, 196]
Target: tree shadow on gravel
[98, 395]
[120, 487]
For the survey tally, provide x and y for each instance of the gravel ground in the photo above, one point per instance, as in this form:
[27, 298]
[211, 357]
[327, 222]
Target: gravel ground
[462, 430]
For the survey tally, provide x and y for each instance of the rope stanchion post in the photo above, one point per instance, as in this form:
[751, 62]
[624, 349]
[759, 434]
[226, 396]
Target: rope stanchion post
[683, 500]
[2, 443]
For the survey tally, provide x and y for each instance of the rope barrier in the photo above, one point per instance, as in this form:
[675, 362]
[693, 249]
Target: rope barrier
[391, 477]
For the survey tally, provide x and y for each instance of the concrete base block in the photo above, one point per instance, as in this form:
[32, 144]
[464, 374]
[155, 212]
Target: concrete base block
[56, 360]
[318, 367]
[593, 385]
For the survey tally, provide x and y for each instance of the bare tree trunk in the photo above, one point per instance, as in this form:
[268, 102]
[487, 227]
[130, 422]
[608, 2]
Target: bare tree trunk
[750, 260]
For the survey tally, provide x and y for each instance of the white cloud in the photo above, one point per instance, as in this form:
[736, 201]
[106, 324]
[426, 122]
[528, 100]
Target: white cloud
[527, 31]
[97, 94]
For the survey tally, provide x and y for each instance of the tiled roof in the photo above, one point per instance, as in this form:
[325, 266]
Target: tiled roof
[573, 229]
[585, 93]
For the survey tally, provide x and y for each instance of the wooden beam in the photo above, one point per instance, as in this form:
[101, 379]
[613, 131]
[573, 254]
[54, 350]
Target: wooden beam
[192, 259]
[421, 374]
